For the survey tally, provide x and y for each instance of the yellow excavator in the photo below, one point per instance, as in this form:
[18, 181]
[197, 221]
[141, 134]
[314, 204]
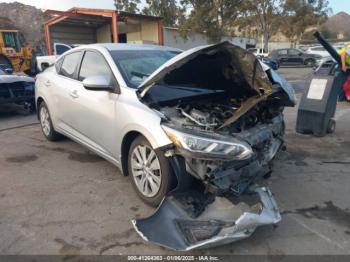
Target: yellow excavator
[12, 55]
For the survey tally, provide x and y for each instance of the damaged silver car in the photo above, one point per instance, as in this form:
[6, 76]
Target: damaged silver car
[195, 131]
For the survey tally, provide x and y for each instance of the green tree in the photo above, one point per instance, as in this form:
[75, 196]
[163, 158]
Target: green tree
[299, 15]
[327, 33]
[214, 18]
[168, 9]
[130, 6]
[346, 34]
[263, 15]
[308, 37]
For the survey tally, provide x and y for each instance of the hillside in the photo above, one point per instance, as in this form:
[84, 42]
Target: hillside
[28, 19]
[339, 23]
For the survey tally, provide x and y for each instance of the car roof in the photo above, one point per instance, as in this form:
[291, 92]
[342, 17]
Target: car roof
[117, 47]
[318, 46]
[280, 49]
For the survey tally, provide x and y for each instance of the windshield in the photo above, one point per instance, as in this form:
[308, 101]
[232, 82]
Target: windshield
[137, 65]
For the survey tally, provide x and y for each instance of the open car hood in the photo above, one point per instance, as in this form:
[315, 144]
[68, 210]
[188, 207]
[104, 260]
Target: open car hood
[213, 67]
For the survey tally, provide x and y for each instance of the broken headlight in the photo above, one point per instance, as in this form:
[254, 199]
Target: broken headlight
[206, 147]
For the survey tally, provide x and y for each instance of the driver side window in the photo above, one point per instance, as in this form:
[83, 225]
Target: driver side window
[95, 65]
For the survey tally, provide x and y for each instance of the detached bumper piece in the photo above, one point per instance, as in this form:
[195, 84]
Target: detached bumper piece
[191, 220]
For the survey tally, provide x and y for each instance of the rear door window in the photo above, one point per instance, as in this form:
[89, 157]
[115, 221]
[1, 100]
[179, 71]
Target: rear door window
[70, 64]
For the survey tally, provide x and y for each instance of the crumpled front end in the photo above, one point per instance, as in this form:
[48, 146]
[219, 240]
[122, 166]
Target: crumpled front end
[216, 200]
[223, 113]
[191, 220]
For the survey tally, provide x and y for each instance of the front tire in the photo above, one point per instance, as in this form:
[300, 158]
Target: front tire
[149, 171]
[46, 123]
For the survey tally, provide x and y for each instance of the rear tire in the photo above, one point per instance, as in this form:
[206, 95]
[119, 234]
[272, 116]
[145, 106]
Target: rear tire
[149, 171]
[46, 123]
[310, 63]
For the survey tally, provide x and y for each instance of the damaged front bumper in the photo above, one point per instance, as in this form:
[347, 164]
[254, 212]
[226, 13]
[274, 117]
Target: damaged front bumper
[191, 220]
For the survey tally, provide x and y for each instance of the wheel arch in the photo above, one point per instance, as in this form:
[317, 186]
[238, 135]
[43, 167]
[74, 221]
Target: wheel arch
[313, 60]
[154, 135]
[37, 104]
[125, 147]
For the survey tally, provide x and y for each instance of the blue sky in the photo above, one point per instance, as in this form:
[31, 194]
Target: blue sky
[336, 5]
[340, 5]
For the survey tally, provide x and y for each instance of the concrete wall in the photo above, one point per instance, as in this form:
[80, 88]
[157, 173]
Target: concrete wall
[276, 45]
[69, 34]
[133, 37]
[241, 41]
[104, 34]
[149, 31]
[173, 38]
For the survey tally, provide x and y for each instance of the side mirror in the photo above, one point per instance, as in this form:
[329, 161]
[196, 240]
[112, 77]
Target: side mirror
[44, 66]
[8, 70]
[97, 83]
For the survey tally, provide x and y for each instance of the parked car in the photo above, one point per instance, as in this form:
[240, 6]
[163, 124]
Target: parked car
[293, 56]
[258, 52]
[44, 62]
[194, 130]
[270, 62]
[17, 89]
[325, 64]
[319, 50]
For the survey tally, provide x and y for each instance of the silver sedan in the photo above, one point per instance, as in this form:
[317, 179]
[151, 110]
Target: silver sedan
[200, 126]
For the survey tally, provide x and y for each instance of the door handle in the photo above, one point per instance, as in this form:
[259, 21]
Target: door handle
[74, 94]
[47, 82]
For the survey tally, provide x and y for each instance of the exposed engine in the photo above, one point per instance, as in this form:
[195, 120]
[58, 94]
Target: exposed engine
[210, 117]
[261, 127]
[207, 117]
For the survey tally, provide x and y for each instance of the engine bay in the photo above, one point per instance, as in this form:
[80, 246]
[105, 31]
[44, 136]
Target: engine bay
[261, 127]
[223, 114]
[210, 117]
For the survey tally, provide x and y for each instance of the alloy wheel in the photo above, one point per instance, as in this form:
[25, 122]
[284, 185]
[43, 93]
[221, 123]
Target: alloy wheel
[45, 121]
[146, 170]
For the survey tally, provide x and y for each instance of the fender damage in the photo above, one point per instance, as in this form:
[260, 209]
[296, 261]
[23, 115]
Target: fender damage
[223, 111]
